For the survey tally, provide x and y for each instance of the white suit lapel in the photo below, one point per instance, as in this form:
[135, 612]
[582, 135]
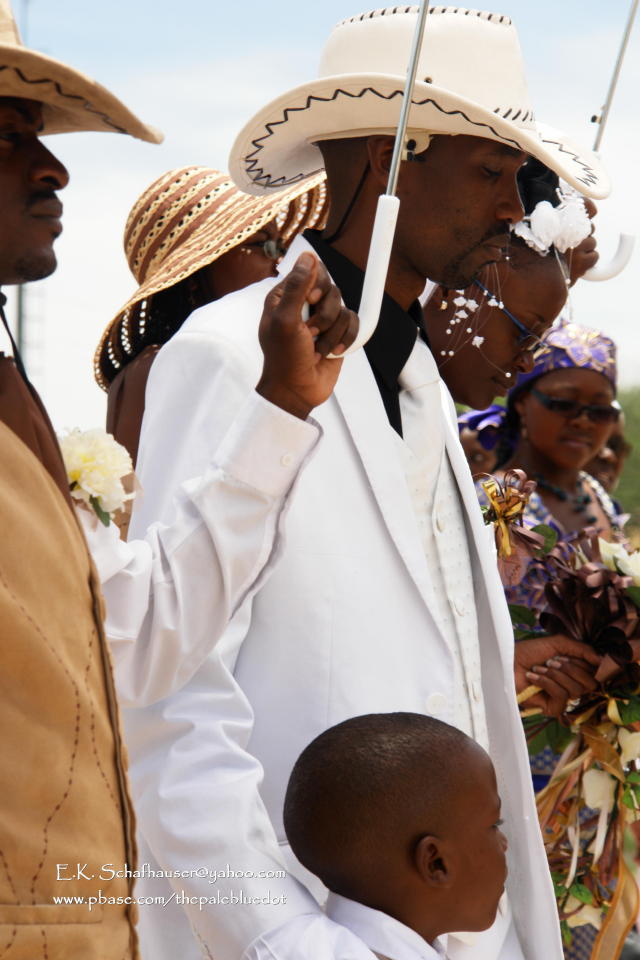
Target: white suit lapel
[359, 400]
[482, 538]
[462, 473]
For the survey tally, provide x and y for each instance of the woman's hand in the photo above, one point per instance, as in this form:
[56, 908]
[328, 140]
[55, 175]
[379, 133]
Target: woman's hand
[563, 669]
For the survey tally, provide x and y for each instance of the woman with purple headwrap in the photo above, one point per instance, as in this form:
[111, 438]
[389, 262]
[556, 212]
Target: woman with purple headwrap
[557, 417]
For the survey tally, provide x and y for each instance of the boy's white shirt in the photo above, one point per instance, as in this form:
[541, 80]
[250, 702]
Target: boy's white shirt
[351, 931]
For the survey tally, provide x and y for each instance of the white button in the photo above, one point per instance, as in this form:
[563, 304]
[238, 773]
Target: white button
[459, 608]
[286, 459]
[437, 703]
[476, 691]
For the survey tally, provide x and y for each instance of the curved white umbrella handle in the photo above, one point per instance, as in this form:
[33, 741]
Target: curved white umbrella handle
[375, 278]
[606, 271]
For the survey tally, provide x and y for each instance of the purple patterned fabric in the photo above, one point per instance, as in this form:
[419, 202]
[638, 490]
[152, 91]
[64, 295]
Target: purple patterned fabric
[486, 423]
[572, 345]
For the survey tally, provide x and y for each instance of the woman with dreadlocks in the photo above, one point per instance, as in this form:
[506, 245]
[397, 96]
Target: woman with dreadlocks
[192, 237]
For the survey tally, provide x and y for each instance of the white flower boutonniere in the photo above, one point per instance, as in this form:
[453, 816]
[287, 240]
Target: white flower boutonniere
[96, 465]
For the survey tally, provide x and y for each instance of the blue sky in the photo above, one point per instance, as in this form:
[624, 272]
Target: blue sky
[198, 69]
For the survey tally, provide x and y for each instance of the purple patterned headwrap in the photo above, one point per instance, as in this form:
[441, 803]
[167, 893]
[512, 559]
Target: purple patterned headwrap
[572, 345]
[566, 345]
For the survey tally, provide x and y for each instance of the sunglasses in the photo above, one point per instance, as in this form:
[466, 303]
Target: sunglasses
[571, 409]
[527, 341]
[271, 249]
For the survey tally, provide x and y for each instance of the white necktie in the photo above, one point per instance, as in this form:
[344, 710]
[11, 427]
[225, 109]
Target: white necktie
[420, 409]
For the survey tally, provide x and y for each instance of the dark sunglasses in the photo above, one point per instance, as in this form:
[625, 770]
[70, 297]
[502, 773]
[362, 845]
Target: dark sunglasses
[527, 341]
[271, 249]
[571, 409]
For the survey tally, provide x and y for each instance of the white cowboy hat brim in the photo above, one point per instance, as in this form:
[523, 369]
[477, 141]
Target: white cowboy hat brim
[276, 148]
[71, 101]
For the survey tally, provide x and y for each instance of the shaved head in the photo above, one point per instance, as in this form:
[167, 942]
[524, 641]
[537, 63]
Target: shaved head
[363, 793]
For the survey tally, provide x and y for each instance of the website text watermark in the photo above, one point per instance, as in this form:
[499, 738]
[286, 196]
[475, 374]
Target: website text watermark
[109, 871]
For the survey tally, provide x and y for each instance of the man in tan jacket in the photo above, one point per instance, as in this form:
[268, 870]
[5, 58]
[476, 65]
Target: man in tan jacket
[67, 851]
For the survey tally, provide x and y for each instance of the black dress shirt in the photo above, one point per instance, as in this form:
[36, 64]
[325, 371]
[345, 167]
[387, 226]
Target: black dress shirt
[395, 336]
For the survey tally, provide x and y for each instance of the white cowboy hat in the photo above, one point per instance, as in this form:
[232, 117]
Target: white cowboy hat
[70, 100]
[470, 80]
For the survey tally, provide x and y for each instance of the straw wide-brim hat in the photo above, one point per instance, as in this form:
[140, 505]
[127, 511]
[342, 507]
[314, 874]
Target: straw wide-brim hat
[470, 80]
[184, 221]
[70, 100]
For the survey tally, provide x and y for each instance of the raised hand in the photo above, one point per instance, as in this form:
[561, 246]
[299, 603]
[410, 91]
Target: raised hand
[585, 255]
[296, 375]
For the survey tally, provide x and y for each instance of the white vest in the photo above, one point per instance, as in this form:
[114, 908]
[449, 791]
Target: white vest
[436, 502]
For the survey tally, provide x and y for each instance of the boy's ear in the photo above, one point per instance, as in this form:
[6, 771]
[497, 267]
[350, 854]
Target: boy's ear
[434, 862]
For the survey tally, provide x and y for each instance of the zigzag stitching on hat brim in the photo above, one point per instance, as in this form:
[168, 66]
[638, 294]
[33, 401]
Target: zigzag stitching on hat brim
[266, 180]
[67, 96]
[591, 177]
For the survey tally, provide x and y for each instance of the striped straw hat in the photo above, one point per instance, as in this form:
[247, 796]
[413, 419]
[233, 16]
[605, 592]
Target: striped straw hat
[184, 221]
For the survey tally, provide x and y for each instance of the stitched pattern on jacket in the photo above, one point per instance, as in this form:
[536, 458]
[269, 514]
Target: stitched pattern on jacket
[92, 726]
[74, 750]
[9, 942]
[5, 866]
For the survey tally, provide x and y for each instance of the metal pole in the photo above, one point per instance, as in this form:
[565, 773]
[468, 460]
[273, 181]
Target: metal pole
[604, 116]
[21, 320]
[384, 225]
[398, 148]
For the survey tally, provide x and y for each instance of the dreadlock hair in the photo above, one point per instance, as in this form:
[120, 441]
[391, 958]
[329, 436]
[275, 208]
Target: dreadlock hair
[163, 315]
[149, 322]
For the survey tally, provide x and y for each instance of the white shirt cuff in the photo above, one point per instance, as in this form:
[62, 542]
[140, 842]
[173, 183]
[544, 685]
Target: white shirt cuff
[265, 446]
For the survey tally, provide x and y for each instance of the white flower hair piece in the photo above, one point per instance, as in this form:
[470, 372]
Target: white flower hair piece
[477, 342]
[563, 227]
[96, 465]
[464, 307]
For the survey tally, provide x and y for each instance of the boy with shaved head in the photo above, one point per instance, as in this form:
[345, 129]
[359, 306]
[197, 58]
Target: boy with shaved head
[399, 815]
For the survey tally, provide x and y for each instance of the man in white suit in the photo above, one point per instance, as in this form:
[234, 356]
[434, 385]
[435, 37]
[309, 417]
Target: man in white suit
[387, 595]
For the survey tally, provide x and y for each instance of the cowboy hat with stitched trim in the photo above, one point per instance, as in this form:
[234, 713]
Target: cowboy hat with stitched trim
[470, 80]
[70, 100]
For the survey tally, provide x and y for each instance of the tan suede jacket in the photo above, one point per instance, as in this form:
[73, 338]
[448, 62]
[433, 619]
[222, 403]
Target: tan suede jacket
[66, 822]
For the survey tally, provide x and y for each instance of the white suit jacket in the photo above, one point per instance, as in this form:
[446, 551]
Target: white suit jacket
[342, 627]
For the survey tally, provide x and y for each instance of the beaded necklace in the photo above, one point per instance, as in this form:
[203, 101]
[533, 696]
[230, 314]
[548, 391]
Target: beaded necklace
[579, 501]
